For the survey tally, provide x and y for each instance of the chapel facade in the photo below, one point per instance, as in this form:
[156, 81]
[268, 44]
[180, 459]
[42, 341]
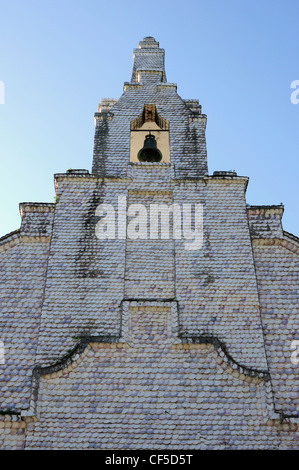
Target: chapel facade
[119, 332]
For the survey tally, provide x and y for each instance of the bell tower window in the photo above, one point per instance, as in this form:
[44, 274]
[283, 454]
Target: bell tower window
[149, 140]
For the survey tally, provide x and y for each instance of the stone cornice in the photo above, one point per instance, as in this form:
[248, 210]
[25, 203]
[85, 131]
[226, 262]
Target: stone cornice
[263, 210]
[206, 179]
[36, 207]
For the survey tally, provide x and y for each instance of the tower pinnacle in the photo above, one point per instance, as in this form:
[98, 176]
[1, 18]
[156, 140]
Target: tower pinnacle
[148, 61]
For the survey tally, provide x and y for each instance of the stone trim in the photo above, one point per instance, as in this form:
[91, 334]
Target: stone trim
[289, 245]
[107, 115]
[167, 85]
[150, 165]
[74, 354]
[106, 104]
[263, 210]
[149, 114]
[36, 207]
[224, 173]
[72, 358]
[284, 423]
[238, 370]
[16, 238]
[94, 177]
[291, 236]
[198, 118]
[13, 235]
[12, 421]
[227, 177]
[87, 176]
[128, 86]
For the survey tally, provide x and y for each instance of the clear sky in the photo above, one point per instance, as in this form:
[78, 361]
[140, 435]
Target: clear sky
[58, 58]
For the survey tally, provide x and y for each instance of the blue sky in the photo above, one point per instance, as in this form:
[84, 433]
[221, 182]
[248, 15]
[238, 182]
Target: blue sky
[59, 58]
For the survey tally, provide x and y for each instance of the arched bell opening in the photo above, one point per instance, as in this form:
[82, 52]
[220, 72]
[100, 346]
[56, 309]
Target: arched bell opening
[149, 138]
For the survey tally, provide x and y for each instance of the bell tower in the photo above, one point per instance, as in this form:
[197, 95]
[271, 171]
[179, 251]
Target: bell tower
[149, 123]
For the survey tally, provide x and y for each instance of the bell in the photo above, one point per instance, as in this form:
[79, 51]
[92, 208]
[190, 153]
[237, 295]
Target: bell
[149, 152]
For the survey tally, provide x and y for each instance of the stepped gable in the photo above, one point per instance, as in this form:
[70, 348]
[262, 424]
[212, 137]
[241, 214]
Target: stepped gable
[179, 338]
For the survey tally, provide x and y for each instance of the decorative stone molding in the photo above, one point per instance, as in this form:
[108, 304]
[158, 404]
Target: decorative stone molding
[288, 244]
[16, 238]
[237, 369]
